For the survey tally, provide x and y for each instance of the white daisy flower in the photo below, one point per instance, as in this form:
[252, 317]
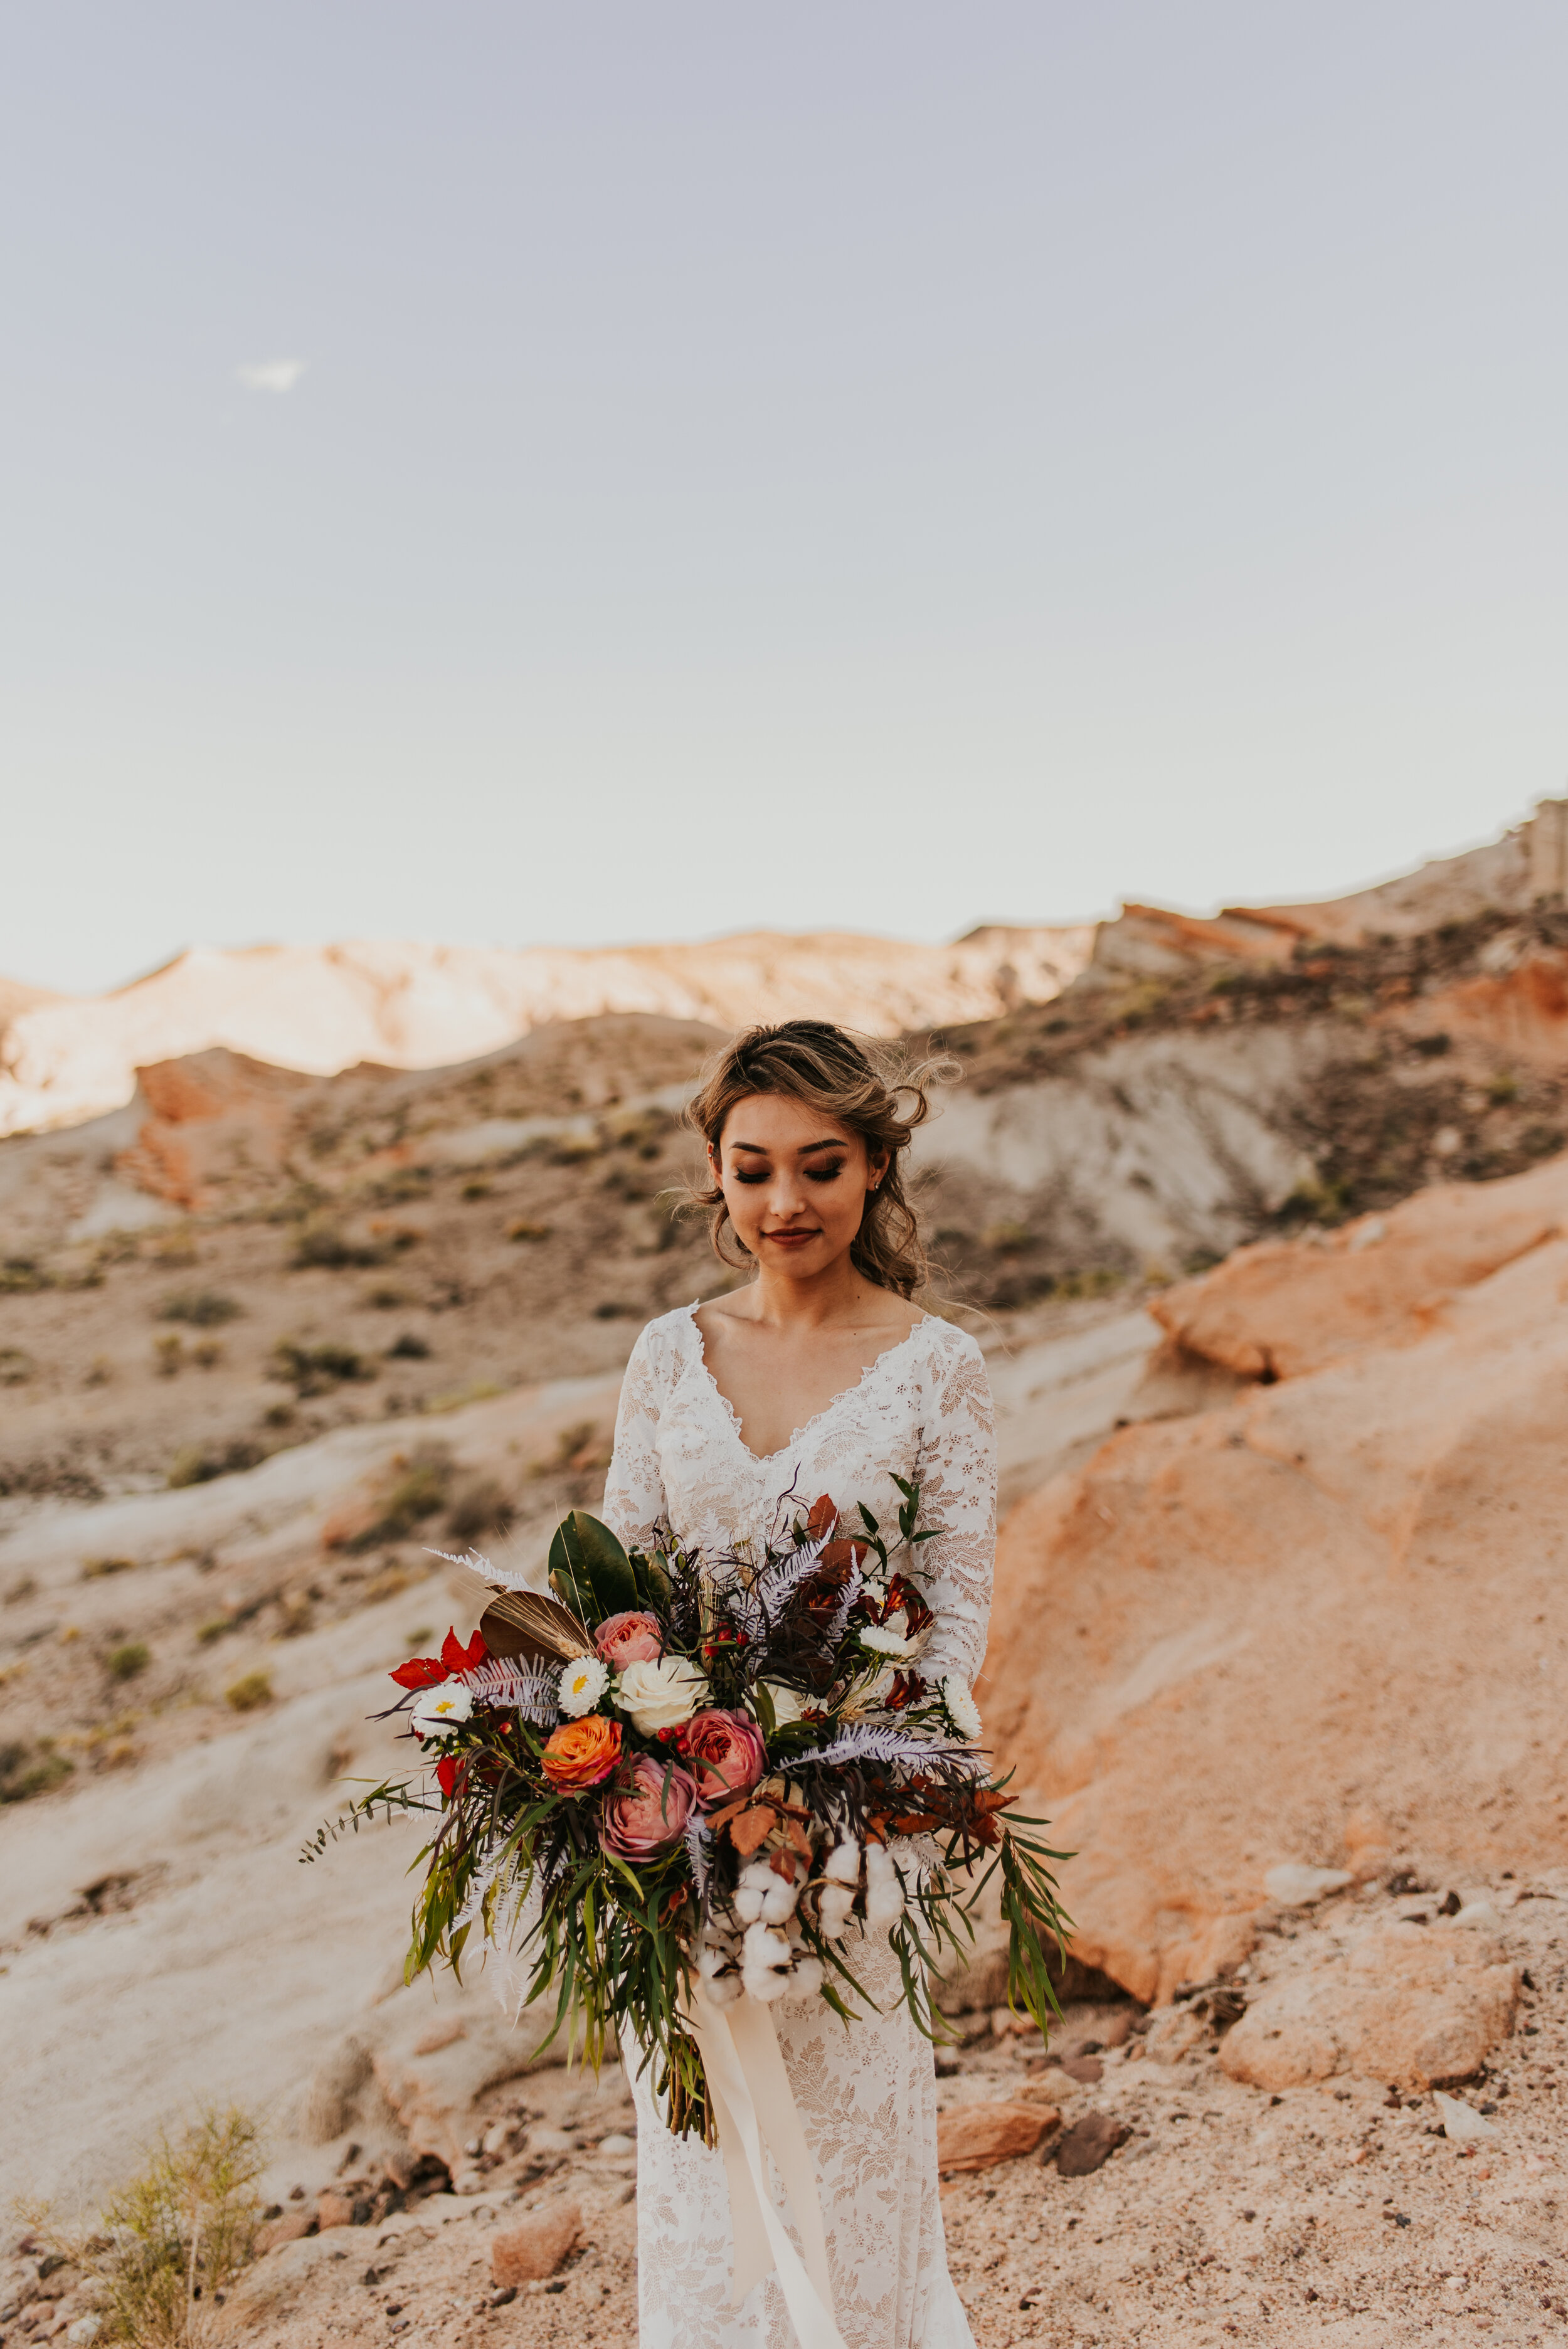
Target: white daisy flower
[961, 1710]
[582, 1683]
[439, 1709]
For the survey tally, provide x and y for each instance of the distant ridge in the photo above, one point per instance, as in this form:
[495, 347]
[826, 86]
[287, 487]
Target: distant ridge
[413, 1004]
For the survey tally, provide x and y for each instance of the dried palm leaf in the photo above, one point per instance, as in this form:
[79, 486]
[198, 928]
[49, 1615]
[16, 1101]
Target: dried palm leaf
[526, 1623]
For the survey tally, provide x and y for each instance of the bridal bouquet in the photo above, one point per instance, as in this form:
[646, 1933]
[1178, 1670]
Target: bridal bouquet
[710, 1775]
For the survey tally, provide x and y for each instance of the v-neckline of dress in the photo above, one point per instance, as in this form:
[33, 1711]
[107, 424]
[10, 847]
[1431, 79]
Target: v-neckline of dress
[762, 1459]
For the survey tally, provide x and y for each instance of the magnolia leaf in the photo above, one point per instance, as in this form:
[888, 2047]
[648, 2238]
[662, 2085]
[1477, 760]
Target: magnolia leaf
[590, 1569]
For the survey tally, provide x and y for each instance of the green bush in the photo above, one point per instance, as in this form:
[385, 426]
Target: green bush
[312, 1369]
[323, 1245]
[170, 2243]
[124, 1662]
[409, 1347]
[28, 1770]
[203, 1308]
[250, 1694]
[420, 1491]
[195, 1464]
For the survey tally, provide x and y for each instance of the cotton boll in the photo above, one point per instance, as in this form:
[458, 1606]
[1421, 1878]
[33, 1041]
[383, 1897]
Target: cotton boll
[807, 1977]
[724, 1990]
[884, 1906]
[765, 1946]
[834, 1909]
[779, 1901]
[711, 1962]
[884, 1892]
[749, 1899]
[763, 1985]
[758, 1873]
[842, 1865]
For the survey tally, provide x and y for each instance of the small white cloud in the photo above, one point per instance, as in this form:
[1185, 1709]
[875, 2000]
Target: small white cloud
[271, 374]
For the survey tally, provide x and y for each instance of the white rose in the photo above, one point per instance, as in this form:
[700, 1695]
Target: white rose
[582, 1683]
[662, 1695]
[788, 1704]
[439, 1709]
[961, 1710]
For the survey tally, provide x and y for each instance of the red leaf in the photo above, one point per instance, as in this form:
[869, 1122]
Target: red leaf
[419, 1672]
[456, 1658]
[823, 1518]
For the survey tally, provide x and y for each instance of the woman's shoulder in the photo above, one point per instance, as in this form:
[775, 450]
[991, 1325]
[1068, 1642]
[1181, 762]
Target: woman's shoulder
[946, 1343]
[664, 1344]
[953, 1362]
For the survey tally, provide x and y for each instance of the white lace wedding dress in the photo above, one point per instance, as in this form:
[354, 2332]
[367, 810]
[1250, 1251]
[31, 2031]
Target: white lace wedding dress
[866, 2092]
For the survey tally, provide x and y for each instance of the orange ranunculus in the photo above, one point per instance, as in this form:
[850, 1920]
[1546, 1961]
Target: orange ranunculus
[582, 1753]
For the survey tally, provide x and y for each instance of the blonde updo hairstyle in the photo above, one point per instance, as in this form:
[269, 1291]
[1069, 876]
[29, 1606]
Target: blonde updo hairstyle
[859, 1086]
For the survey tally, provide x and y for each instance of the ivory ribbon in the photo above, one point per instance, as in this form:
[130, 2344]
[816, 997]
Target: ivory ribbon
[754, 2107]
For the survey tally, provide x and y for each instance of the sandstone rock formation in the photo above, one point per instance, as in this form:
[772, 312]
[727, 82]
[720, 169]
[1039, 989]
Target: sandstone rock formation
[1319, 1623]
[409, 1005]
[1417, 2007]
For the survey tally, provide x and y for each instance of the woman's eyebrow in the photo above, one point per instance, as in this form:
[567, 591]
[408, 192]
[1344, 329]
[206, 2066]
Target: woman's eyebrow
[758, 1151]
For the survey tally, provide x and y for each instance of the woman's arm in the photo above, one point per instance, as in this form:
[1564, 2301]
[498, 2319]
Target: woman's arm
[958, 1493]
[635, 1489]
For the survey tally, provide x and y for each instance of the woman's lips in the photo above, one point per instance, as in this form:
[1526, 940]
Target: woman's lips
[788, 1239]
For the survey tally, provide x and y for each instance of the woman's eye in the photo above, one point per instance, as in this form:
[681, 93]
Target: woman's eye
[824, 1173]
[740, 1177]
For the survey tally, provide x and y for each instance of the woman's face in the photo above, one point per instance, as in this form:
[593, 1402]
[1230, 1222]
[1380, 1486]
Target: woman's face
[794, 1181]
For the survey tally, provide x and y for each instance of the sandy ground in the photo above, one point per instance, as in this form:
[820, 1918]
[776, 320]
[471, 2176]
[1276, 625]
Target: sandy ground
[1337, 2214]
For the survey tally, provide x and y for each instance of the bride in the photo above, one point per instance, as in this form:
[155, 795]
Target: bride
[819, 1377]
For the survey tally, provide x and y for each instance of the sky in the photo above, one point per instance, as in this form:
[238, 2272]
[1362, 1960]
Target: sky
[527, 475]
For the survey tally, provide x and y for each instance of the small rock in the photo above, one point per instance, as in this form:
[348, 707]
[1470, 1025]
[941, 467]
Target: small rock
[546, 2144]
[1462, 2122]
[617, 2144]
[1294, 1887]
[978, 2136]
[1089, 2143]
[1479, 1915]
[1087, 2069]
[289, 2229]
[334, 2210]
[535, 2247]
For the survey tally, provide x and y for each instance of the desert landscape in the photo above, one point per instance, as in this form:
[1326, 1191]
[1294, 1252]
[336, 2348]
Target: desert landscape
[314, 1263]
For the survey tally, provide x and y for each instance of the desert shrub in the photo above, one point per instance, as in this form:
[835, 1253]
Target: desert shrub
[408, 1347]
[16, 1367]
[1008, 1239]
[478, 1507]
[386, 1300]
[250, 1692]
[93, 1567]
[22, 1273]
[420, 1491]
[203, 1308]
[174, 2238]
[617, 1308]
[169, 1355]
[207, 1354]
[27, 1770]
[524, 1230]
[124, 1662]
[1503, 1088]
[194, 1464]
[478, 1189]
[325, 1246]
[312, 1369]
[404, 1183]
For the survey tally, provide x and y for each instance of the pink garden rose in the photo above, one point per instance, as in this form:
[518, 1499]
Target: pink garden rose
[649, 1815]
[725, 1752]
[628, 1639]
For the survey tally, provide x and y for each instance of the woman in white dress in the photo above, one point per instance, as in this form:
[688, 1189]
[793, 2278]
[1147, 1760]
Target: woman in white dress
[820, 1377]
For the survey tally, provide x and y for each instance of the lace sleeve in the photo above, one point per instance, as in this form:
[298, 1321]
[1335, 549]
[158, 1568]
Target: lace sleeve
[635, 1489]
[958, 1492]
